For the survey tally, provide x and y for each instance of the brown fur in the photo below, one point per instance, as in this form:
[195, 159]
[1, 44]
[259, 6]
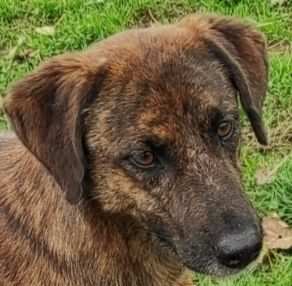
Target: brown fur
[73, 209]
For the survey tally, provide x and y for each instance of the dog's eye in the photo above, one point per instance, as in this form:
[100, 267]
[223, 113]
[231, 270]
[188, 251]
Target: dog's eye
[143, 158]
[225, 130]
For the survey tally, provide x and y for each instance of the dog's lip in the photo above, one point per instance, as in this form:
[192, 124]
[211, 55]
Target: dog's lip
[213, 268]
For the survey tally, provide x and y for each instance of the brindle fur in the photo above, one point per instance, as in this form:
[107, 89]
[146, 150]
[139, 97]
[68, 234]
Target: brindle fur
[74, 211]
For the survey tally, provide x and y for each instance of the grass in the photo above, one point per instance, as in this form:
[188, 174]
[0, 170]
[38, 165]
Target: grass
[79, 22]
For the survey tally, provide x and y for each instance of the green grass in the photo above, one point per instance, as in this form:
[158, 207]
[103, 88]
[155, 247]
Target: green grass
[80, 22]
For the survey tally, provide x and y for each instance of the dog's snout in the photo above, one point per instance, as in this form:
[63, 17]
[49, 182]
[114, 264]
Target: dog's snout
[240, 249]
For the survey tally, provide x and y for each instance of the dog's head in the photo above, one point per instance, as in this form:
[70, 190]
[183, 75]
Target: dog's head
[151, 117]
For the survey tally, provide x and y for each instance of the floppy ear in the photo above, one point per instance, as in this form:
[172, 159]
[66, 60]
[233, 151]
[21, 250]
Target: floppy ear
[45, 111]
[242, 51]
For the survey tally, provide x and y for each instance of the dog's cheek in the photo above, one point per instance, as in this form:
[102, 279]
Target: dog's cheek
[122, 194]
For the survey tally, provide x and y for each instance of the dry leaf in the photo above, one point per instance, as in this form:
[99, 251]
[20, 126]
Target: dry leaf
[277, 234]
[264, 176]
[46, 30]
[278, 2]
[267, 176]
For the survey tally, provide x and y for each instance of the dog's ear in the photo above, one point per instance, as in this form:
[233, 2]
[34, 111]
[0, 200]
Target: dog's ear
[242, 51]
[45, 111]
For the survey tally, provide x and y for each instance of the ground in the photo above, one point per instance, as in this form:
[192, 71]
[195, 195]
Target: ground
[74, 24]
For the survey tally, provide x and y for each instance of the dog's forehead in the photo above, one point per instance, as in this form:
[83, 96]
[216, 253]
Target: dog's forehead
[177, 87]
[169, 113]
[158, 79]
[169, 64]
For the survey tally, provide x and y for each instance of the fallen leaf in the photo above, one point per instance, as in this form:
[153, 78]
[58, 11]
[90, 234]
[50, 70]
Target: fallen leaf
[46, 30]
[264, 176]
[277, 233]
[278, 2]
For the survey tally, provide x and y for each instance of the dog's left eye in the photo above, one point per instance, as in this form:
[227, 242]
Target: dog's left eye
[143, 159]
[225, 130]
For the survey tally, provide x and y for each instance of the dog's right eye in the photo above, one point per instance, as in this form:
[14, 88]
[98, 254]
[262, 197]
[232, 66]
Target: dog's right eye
[143, 159]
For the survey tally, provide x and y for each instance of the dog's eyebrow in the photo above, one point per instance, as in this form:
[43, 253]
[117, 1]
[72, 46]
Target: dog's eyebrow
[155, 141]
[223, 110]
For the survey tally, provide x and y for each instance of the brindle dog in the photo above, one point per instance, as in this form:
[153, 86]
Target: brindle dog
[124, 168]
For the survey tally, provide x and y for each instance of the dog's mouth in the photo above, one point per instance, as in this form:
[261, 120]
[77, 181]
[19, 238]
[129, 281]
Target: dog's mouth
[211, 265]
[208, 260]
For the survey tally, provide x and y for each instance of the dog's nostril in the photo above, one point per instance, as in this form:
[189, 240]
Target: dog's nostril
[238, 250]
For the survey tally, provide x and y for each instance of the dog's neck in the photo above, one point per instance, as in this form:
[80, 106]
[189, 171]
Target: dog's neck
[79, 242]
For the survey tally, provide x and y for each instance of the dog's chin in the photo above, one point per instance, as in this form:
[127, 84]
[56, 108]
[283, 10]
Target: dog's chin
[212, 268]
[208, 266]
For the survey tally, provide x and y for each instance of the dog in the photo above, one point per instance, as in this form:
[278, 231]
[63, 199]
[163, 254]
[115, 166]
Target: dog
[123, 167]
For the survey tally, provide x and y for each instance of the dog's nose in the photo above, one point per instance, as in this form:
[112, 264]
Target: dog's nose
[238, 250]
